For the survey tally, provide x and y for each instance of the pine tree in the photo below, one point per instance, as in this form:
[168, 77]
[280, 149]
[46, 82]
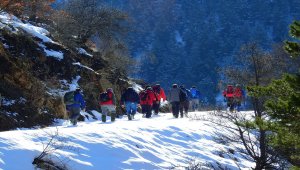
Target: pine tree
[283, 107]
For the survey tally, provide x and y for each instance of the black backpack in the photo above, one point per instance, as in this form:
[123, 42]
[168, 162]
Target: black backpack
[183, 96]
[144, 96]
[69, 98]
[104, 97]
[156, 89]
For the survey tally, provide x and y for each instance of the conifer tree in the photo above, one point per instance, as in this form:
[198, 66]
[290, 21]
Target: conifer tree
[283, 107]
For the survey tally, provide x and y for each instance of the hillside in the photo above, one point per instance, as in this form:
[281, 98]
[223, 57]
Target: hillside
[158, 143]
[187, 42]
[36, 71]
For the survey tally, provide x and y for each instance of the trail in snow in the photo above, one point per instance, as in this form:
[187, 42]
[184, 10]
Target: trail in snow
[157, 143]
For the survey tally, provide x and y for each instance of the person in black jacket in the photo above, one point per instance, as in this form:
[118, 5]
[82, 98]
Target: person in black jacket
[130, 100]
[184, 101]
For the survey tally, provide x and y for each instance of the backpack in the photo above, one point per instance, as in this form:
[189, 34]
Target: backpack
[229, 90]
[238, 92]
[69, 98]
[144, 96]
[183, 96]
[193, 93]
[156, 90]
[104, 97]
[189, 94]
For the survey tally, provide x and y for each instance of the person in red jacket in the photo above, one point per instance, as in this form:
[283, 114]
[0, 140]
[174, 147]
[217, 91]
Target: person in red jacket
[160, 94]
[107, 101]
[228, 94]
[147, 98]
[239, 96]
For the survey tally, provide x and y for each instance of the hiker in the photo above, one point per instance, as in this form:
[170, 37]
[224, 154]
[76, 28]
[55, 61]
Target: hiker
[195, 97]
[107, 101]
[147, 98]
[229, 96]
[74, 104]
[239, 96]
[130, 100]
[160, 94]
[174, 99]
[185, 95]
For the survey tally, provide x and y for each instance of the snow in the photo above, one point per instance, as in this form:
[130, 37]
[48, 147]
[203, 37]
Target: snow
[82, 51]
[33, 30]
[9, 102]
[51, 53]
[86, 67]
[138, 88]
[161, 142]
[39, 32]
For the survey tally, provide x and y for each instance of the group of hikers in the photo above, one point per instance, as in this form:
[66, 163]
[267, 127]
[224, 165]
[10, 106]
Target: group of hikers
[149, 100]
[234, 95]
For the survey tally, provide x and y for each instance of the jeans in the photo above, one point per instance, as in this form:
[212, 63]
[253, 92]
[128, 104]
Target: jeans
[131, 108]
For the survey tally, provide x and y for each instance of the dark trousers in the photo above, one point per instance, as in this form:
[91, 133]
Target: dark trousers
[184, 106]
[175, 108]
[147, 109]
[155, 107]
[75, 114]
[230, 103]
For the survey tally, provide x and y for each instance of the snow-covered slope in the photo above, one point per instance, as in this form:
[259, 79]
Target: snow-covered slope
[161, 142]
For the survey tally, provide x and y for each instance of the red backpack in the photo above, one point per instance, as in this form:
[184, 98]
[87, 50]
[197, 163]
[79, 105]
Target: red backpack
[238, 92]
[229, 91]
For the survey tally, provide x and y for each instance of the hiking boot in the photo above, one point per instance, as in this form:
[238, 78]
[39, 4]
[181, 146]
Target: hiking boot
[73, 121]
[113, 117]
[103, 118]
[129, 117]
[132, 116]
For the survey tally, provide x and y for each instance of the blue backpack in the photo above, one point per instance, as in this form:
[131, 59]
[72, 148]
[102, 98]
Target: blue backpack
[194, 93]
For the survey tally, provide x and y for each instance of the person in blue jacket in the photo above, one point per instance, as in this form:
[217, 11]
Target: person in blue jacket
[195, 97]
[130, 100]
[76, 107]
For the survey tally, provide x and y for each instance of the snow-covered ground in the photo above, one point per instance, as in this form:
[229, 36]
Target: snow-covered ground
[161, 142]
